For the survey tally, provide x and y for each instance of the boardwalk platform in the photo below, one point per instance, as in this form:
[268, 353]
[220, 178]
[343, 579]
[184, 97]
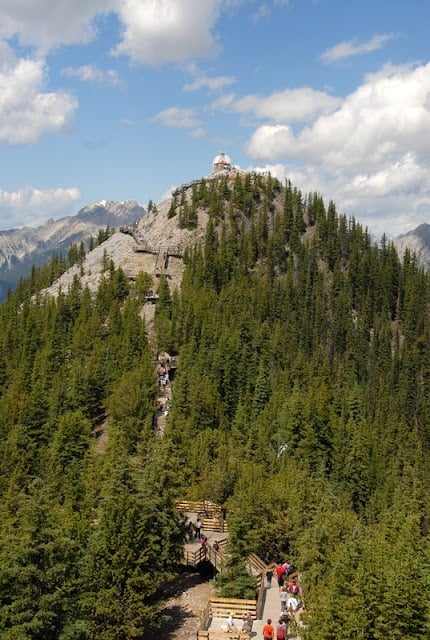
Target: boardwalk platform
[267, 605]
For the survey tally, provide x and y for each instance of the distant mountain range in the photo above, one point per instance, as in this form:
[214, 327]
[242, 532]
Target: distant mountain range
[20, 249]
[417, 241]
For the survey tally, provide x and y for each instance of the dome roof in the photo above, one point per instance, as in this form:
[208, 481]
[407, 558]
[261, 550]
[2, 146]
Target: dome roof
[222, 158]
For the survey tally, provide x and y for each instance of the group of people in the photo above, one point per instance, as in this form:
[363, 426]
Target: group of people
[289, 596]
[197, 528]
[246, 627]
[286, 578]
[163, 376]
[281, 631]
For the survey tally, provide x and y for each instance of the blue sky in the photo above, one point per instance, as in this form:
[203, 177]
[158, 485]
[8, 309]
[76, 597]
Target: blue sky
[126, 99]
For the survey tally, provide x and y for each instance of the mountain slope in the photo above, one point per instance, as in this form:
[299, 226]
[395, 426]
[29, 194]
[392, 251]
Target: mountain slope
[417, 241]
[300, 403]
[21, 248]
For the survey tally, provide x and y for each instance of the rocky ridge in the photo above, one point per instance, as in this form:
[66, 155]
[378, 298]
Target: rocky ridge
[156, 230]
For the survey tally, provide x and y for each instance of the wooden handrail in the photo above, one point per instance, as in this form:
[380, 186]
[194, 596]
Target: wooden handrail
[260, 597]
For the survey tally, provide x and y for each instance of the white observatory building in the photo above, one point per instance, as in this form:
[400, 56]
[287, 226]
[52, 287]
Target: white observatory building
[221, 162]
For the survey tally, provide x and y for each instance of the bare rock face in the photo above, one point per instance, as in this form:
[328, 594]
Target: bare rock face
[418, 242]
[158, 230]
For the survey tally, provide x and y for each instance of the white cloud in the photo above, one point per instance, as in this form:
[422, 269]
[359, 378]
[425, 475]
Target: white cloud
[223, 102]
[176, 117]
[90, 73]
[198, 133]
[264, 9]
[389, 69]
[154, 32]
[404, 176]
[164, 31]
[46, 24]
[350, 48]
[182, 119]
[205, 82]
[381, 121]
[261, 13]
[371, 155]
[291, 105]
[26, 112]
[33, 207]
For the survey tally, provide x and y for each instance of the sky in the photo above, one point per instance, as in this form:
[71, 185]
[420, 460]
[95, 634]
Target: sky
[128, 99]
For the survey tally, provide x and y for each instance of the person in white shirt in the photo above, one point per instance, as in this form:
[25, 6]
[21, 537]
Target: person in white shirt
[292, 604]
[230, 623]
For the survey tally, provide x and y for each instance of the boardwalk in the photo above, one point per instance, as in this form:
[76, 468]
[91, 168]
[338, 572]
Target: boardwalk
[272, 609]
[271, 600]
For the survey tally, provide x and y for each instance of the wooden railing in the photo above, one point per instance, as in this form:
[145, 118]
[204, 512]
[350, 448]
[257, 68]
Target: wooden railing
[216, 558]
[143, 247]
[261, 578]
[211, 515]
[222, 608]
[256, 564]
[193, 558]
[204, 624]
[205, 507]
[214, 524]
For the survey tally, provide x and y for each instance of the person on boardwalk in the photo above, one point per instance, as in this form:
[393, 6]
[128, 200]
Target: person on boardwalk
[198, 529]
[281, 580]
[281, 631]
[292, 604]
[269, 576]
[293, 588]
[280, 575]
[268, 630]
[247, 623]
[230, 623]
[285, 618]
[283, 598]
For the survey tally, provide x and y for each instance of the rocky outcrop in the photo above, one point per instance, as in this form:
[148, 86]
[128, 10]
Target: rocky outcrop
[417, 241]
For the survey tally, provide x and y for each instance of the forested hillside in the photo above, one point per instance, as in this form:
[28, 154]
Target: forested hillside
[301, 404]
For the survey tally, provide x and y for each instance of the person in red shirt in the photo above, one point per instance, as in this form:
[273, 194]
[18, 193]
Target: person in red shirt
[280, 575]
[279, 570]
[268, 630]
[293, 588]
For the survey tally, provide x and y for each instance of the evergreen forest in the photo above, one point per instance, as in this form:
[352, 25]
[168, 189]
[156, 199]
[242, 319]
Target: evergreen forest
[301, 404]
